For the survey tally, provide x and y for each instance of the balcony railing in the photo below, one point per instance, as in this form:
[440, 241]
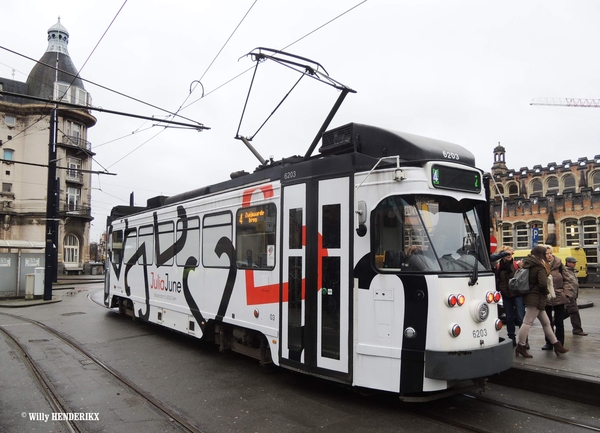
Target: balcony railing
[77, 142]
[71, 209]
[74, 175]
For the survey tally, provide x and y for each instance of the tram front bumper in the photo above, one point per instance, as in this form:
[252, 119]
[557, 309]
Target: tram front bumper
[469, 364]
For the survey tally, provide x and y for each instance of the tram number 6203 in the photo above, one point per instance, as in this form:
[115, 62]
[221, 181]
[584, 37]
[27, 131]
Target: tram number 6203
[479, 333]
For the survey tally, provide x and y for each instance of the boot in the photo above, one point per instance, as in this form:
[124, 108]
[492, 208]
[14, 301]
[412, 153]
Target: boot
[520, 350]
[558, 348]
[547, 346]
[514, 340]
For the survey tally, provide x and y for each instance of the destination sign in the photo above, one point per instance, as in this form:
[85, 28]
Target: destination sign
[459, 179]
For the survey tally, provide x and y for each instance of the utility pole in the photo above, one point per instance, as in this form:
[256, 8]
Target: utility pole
[51, 253]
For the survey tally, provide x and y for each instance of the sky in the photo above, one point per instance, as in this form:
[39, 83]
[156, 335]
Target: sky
[463, 71]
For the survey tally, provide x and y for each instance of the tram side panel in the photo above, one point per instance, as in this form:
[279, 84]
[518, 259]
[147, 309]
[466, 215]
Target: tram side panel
[178, 267]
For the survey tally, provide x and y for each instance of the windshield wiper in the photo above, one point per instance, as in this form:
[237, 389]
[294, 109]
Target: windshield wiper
[475, 273]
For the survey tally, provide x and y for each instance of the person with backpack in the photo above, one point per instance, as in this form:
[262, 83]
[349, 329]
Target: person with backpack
[555, 307]
[535, 302]
[513, 302]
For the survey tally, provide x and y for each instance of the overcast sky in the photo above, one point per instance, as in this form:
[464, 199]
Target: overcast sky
[462, 71]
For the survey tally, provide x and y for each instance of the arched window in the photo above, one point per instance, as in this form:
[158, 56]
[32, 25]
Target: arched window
[71, 250]
[571, 233]
[590, 239]
[569, 182]
[552, 185]
[595, 183]
[522, 236]
[536, 188]
[513, 190]
[497, 191]
[507, 235]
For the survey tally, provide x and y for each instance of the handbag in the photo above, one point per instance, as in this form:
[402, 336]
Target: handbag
[551, 292]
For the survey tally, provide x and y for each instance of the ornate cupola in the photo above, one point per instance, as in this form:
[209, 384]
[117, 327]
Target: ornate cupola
[499, 166]
[55, 76]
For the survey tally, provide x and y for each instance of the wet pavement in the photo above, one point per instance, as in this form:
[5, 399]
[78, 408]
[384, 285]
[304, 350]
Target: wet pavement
[574, 376]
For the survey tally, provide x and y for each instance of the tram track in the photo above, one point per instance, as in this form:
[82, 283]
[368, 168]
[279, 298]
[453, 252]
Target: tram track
[533, 412]
[423, 411]
[58, 403]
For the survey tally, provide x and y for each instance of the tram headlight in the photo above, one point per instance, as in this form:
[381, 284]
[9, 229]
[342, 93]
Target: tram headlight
[481, 312]
[455, 330]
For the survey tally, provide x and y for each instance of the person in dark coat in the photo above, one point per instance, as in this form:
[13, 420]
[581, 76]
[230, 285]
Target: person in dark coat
[535, 302]
[571, 285]
[555, 307]
[513, 303]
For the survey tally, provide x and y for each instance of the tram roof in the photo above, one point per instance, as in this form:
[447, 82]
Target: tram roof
[380, 142]
[358, 144]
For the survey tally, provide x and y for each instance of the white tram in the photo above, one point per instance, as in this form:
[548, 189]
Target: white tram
[366, 264]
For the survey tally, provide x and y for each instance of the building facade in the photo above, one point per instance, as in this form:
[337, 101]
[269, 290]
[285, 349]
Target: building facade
[24, 141]
[558, 204]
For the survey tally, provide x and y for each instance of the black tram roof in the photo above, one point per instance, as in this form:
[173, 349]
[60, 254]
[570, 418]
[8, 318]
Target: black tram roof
[346, 149]
[379, 142]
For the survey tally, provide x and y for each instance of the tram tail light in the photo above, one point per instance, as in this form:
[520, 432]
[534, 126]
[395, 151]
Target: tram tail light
[455, 330]
[489, 297]
[498, 324]
[454, 300]
[497, 297]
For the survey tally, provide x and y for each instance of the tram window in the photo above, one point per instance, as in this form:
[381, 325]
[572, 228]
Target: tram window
[331, 225]
[130, 246]
[295, 307]
[214, 228]
[165, 243]
[295, 235]
[188, 232]
[399, 236]
[117, 246]
[330, 313]
[255, 237]
[146, 240]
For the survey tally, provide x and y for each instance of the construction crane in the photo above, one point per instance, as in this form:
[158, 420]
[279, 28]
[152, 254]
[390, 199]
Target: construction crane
[567, 102]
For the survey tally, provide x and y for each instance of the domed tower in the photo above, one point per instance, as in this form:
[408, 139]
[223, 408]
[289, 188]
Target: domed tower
[55, 76]
[499, 166]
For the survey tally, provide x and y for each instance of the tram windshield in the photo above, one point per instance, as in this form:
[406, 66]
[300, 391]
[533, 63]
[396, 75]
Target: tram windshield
[427, 234]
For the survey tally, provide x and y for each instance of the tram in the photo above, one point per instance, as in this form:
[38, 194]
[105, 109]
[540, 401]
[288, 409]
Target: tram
[365, 264]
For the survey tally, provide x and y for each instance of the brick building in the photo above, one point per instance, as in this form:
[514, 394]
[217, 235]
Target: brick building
[525, 199]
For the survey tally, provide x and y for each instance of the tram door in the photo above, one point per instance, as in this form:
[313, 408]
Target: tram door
[316, 290]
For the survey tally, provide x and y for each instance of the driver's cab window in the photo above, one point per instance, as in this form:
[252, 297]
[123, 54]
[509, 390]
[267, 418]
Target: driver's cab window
[427, 234]
[399, 239]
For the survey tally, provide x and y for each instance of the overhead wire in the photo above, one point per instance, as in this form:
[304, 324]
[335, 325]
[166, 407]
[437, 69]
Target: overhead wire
[287, 46]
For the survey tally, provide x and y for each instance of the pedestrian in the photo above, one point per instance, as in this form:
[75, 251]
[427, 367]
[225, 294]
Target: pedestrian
[555, 307]
[535, 302]
[512, 302]
[571, 286]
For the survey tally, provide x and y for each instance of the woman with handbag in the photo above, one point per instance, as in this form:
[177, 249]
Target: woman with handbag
[535, 302]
